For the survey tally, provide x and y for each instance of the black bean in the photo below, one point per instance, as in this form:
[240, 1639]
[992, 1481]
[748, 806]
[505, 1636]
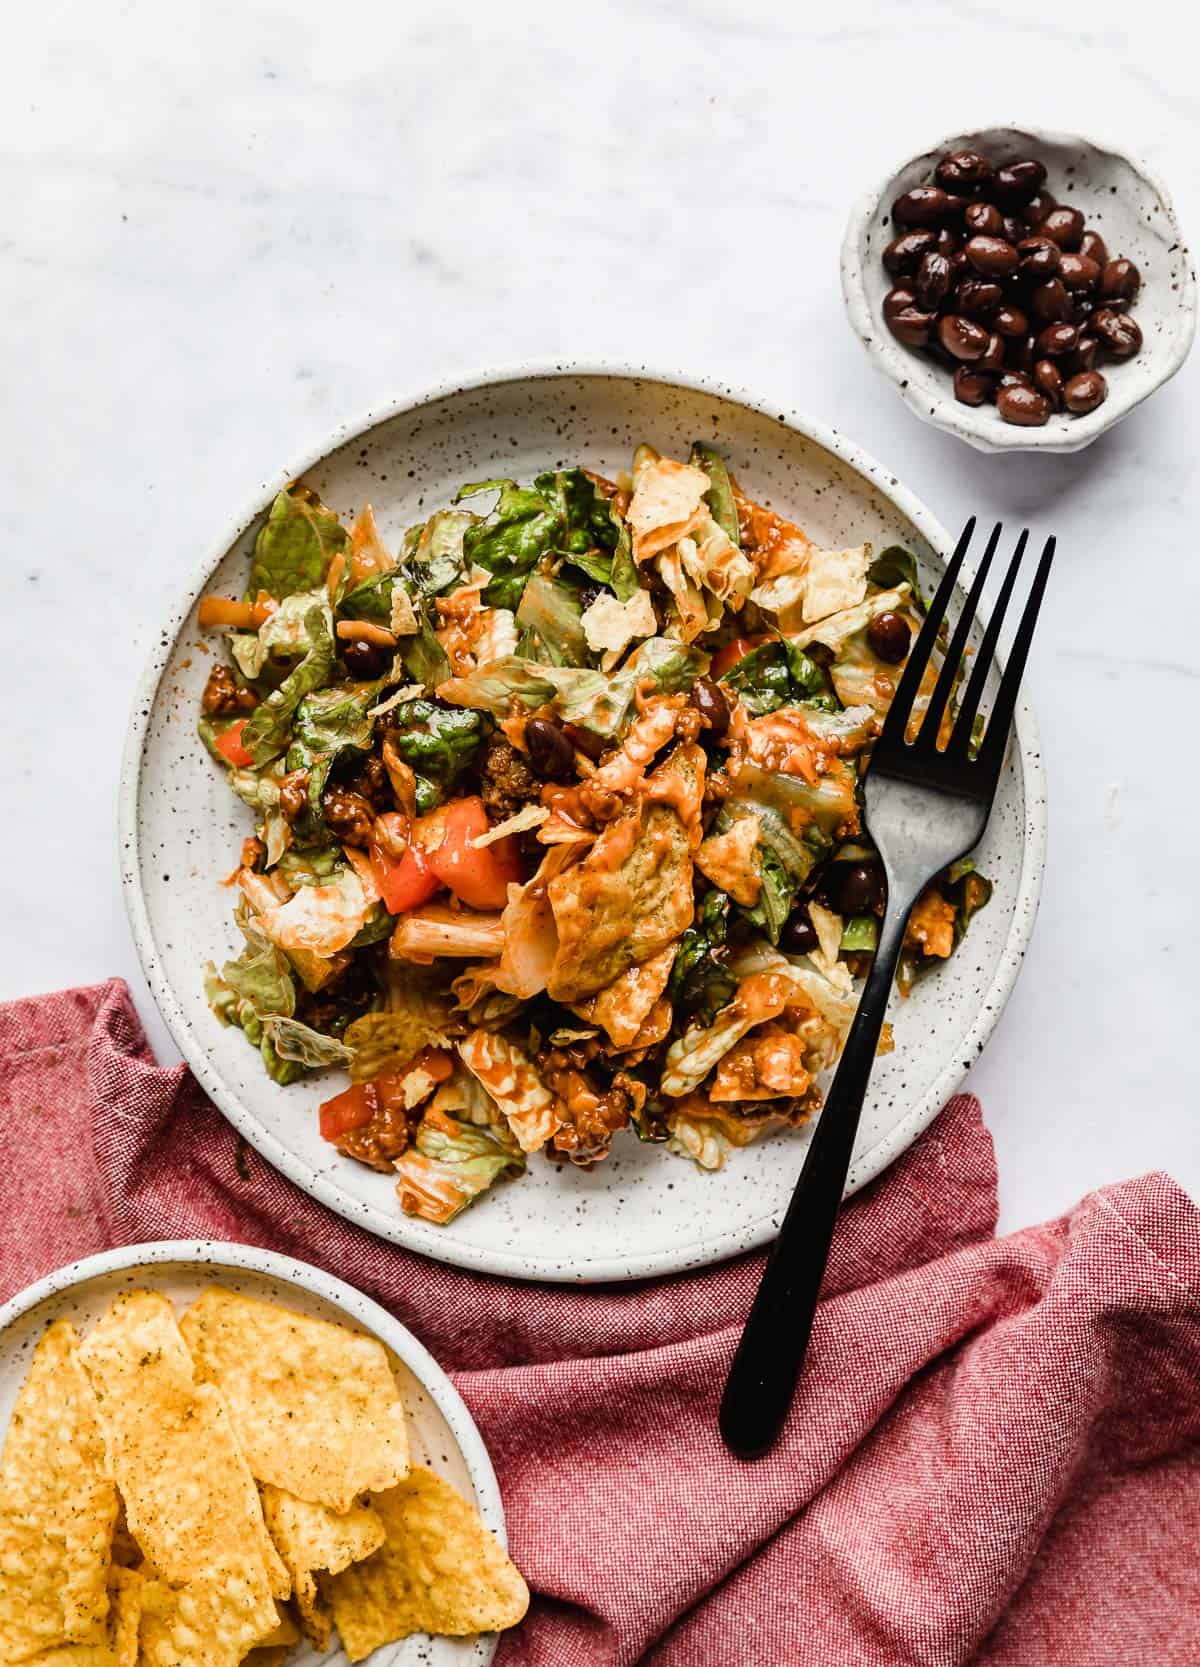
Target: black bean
[856, 886]
[973, 387]
[983, 220]
[1084, 357]
[1094, 247]
[963, 171]
[1065, 227]
[934, 281]
[1085, 392]
[799, 936]
[364, 660]
[1018, 182]
[910, 325]
[712, 706]
[1037, 208]
[1039, 257]
[977, 297]
[924, 205]
[1056, 341]
[992, 358]
[1120, 281]
[1047, 379]
[1010, 321]
[1049, 302]
[994, 257]
[550, 751]
[962, 338]
[1117, 333]
[1078, 272]
[1024, 406]
[904, 252]
[889, 634]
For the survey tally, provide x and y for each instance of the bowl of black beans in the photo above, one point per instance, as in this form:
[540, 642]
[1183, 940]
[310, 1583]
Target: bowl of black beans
[1023, 290]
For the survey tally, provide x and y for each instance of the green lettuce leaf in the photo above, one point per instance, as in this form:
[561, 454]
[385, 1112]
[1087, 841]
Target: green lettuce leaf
[295, 544]
[438, 742]
[433, 557]
[896, 566]
[318, 867]
[303, 1046]
[701, 982]
[860, 935]
[370, 599]
[251, 989]
[720, 491]
[268, 729]
[549, 620]
[451, 1162]
[522, 527]
[779, 674]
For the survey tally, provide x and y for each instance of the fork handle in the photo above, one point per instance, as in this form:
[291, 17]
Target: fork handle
[762, 1379]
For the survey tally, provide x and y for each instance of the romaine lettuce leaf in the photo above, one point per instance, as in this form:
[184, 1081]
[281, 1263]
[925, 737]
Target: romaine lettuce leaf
[549, 620]
[433, 558]
[295, 544]
[268, 728]
[303, 1046]
[701, 982]
[624, 579]
[720, 492]
[893, 567]
[778, 674]
[256, 986]
[438, 742]
[521, 528]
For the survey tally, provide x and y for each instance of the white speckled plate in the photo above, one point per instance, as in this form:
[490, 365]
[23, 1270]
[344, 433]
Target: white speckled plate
[642, 1212]
[1121, 199]
[442, 1433]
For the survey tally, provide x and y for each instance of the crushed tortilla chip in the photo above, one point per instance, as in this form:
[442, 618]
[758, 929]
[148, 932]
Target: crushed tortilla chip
[521, 821]
[610, 626]
[119, 1647]
[310, 1537]
[667, 504]
[624, 1006]
[315, 1404]
[189, 1496]
[441, 1571]
[57, 1507]
[730, 860]
[212, 1621]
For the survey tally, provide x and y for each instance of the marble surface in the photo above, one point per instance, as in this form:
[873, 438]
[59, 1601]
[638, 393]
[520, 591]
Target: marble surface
[230, 228]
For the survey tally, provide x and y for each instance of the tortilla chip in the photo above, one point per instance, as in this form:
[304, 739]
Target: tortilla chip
[212, 1621]
[631, 895]
[311, 1537]
[120, 1645]
[277, 1645]
[315, 1405]
[666, 505]
[189, 1496]
[623, 1006]
[441, 1571]
[57, 1507]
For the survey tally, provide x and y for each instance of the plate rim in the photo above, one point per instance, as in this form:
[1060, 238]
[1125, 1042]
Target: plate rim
[292, 1271]
[417, 1236]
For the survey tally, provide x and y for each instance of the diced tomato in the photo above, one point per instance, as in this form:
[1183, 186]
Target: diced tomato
[404, 883]
[229, 745]
[357, 1105]
[348, 1110]
[729, 656]
[478, 877]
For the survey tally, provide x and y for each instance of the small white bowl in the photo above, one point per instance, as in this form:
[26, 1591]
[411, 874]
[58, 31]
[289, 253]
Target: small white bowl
[1121, 199]
[442, 1434]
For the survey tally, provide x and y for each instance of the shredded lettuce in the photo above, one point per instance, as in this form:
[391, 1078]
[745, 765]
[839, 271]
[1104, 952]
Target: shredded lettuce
[252, 988]
[778, 674]
[268, 728]
[893, 567]
[295, 544]
[701, 983]
[451, 1162]
[549, 620]
[720, 491]
[302, 1045]
[439, 743]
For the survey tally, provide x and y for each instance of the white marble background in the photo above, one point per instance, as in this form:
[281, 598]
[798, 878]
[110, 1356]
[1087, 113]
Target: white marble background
[229, 227]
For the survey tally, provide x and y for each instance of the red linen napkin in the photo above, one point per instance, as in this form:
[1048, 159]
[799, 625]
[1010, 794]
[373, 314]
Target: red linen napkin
[994, 1458]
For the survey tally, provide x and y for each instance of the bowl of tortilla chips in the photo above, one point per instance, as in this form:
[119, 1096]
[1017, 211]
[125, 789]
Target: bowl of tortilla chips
[214, 1455]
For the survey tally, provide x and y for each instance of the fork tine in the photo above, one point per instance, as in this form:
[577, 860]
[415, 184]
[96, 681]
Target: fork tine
[895, 724]
[960, 741]
[931, 723]
[991, 753]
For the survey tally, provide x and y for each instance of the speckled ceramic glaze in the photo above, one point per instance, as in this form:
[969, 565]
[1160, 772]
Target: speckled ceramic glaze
[442, 1434]
[642, 1211]
[1120, 199]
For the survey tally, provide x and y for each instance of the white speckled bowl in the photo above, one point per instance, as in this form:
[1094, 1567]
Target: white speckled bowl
[442, 1433]
[1121, 199]
[643, 1211]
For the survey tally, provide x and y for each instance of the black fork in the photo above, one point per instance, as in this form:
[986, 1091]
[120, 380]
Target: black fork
[927, 804]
